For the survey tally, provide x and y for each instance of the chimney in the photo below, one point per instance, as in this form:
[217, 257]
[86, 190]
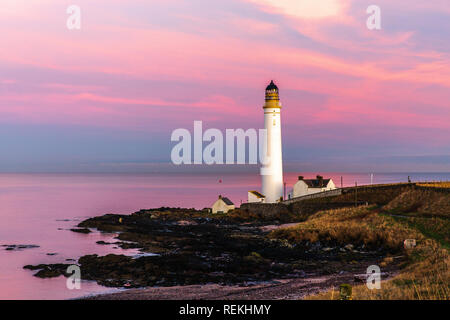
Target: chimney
[320, 179]
[220, 196]
[300, 178]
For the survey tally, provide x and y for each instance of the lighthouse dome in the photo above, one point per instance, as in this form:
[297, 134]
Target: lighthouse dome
[272, 87]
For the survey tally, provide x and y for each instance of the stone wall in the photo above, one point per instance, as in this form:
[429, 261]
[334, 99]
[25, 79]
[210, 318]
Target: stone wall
[328, 193]
[302, 209]
[265, 209]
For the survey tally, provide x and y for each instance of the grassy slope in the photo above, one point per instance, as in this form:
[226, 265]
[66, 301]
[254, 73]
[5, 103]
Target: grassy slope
[357, 226]
[424, 210]
[426, 274]
[422, 202]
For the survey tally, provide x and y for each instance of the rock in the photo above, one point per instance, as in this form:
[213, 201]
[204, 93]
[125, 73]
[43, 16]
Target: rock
[49, 270]
[255, 257]
[349, 247]
[360, 277]
[212, 250]
[47, 273]
[409, 243]
[17, 247]
[363, 277]
[104, 243]
[316, 245]
[300, 273]
[81, 230]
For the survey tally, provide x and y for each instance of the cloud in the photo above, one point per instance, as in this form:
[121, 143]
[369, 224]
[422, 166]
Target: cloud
[304, 9]
[8, 81]
[153, 66]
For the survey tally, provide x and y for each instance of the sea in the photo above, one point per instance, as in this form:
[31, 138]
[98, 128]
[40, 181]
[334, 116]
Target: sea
[40, 209]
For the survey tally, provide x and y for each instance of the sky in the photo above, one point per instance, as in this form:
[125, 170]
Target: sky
[107, 97]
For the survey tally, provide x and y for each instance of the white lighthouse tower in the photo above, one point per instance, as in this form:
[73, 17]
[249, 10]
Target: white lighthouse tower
[272, 172]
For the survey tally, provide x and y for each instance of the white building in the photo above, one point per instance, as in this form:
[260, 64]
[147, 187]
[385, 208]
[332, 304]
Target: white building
[272, 172]
[222, 205]
[304, 187]
[255, 196]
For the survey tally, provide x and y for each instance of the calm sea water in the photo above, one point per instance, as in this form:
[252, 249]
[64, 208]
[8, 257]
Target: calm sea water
[40, 209]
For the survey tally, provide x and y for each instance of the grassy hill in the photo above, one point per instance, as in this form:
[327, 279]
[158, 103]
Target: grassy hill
[421, 202]
[420, 213]
[408, 199]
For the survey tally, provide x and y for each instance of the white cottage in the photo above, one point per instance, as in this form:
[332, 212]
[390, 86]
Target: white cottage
[255, 196]
[222, 205]
[304, 187]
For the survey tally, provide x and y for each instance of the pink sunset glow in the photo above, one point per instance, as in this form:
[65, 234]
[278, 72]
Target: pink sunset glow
[143, 68]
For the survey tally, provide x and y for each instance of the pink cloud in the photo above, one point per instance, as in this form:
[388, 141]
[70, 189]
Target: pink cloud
[304, 9]
[360, 74]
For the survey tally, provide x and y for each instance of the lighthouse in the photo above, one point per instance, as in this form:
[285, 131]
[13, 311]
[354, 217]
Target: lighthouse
[272, 171]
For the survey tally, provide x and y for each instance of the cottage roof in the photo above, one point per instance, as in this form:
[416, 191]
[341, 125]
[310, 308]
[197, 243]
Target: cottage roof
[256, 193]
[227, 201]
[316, 183]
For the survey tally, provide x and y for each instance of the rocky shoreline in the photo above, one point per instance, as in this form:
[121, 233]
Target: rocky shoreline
[187, 247]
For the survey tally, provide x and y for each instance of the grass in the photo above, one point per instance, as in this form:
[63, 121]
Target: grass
[434, 228]
[421, 202]
[443, 184]
[425, 275]
[357, 226]
[374, 194]
[421, 213]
